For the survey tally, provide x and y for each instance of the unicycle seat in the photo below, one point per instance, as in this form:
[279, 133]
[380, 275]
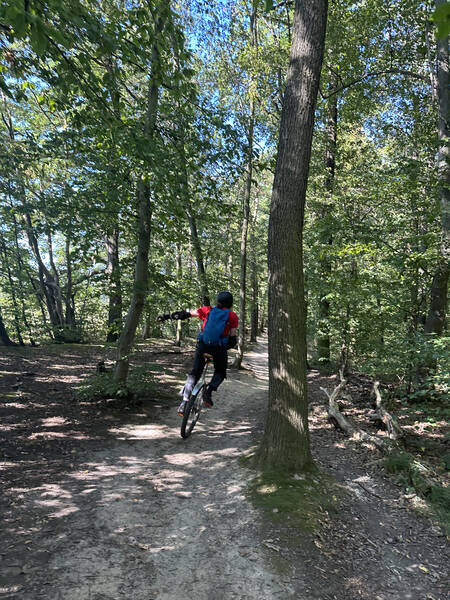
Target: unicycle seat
[208, 356]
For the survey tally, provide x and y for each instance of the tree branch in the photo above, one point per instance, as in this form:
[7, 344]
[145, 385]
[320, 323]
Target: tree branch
[360, 79]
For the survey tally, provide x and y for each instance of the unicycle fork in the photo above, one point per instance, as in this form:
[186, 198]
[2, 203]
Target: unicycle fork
[195, 403]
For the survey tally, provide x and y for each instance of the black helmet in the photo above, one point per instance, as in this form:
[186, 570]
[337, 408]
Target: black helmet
[224, 300]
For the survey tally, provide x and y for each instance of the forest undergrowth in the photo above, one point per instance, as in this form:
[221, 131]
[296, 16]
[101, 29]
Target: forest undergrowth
[52, 428]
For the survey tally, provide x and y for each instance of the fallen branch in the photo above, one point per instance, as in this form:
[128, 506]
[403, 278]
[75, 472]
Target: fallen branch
[340, 422]
[383, 416]
[334, 414]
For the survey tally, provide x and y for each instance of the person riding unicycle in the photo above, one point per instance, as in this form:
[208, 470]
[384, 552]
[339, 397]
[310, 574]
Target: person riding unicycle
[217, 336]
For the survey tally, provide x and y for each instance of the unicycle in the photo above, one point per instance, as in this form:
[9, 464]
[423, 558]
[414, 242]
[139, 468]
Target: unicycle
[195, 404]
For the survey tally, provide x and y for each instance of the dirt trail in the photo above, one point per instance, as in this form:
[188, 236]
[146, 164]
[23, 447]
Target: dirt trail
[151, 516]
[170, 515]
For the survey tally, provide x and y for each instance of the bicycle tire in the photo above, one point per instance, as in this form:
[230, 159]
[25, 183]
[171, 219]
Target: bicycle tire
[192, 413]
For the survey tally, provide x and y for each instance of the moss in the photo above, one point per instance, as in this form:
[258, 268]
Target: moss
[303, 500]
[280, 565]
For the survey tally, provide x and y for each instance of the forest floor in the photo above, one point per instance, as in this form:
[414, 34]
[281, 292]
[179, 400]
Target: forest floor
[103, 502]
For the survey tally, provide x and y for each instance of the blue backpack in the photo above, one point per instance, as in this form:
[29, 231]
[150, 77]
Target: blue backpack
[215, 324]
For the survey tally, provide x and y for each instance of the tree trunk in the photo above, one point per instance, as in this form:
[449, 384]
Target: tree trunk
[57, 287]
[229, 265]
[126, 339]
[185, 194]
[13, 295]
[285, 445]
[435, 321]
[23, 269]
[244, 231]
[323, 342]
[114, 284]
[246, 213]
[254, 310]
[179, 276]
[147, 332]
[48, 285]
[70, 306]
[201, 272]
[140, 286]
[254, 314]
[5, 340]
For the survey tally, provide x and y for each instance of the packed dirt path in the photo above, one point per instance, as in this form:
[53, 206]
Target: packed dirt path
[137, 513]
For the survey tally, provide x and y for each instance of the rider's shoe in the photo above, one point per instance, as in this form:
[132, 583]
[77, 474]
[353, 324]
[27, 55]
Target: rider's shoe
[182, 408]
[207, 401]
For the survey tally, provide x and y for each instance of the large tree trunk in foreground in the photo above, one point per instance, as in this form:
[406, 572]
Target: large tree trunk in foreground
[435, 321]
[285, 444]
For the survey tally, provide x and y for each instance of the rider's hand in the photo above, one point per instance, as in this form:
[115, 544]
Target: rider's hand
[180, 315]
[232, 341]
[164, 317]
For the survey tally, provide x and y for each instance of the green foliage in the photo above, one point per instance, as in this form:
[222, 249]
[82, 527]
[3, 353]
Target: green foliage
[432, 356]
[102, 386]
[441, 17]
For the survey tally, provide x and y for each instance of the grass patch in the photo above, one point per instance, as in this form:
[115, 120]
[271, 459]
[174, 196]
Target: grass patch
[304, 500]
[417, 477]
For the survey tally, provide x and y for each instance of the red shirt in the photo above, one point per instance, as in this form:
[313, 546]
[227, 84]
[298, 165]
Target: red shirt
[233, 320]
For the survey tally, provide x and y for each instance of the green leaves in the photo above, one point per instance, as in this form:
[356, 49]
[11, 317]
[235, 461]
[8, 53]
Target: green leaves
[441, 17]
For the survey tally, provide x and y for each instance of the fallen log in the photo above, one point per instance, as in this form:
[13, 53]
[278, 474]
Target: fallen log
[338, 419]
[384, 417]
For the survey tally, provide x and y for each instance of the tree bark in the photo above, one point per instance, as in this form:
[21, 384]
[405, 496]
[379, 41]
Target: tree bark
[201, 271]
[323, 341]
[246, 213]
[48, 285]
[435, 321]
[127, 336]
[185, 194]
[114, 285]
[72, 332]
[126, 339]
[179, 275]
[285, 445]
[254, 314]
[57, 287]
[254, 310]
[112, 232]
[13, 295]
[244, 232]
[5, 340]
[23, 295]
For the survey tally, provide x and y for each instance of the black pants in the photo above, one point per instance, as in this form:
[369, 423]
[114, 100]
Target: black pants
[220, 360]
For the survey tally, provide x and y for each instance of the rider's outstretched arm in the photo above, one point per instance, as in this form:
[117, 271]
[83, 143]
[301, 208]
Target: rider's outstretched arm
[179, 314]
